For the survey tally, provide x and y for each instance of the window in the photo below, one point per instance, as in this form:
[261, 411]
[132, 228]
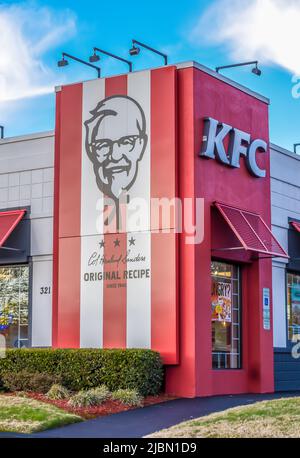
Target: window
[14, 287]
[293, 306]
[226, 316]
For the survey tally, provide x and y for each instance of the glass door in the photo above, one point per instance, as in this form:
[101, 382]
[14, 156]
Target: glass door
[226, 316]
[14, 300]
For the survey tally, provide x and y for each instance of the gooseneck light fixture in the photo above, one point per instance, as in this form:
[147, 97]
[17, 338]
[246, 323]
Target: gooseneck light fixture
[95, 57]
[296, 145]
[134, 50]
[63, 62]
[255, 70]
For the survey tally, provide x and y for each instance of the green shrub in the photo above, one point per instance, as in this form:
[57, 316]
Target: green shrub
[127, 397]
[16, 381]
[58, 392]
[102, 393]
[82, 399]
[81, 369]
[89, 398]
[28, 381]
[41, 383]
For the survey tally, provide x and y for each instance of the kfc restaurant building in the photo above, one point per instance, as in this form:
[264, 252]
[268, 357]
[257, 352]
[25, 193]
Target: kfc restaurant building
[78, 268]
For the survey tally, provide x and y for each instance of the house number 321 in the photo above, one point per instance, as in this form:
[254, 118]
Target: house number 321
[45, 290]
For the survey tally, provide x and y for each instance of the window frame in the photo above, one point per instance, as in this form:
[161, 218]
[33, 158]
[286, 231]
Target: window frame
[29, 266]
[240, 299]
[289, 343]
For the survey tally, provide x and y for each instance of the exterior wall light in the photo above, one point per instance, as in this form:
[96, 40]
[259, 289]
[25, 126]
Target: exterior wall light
[134, 50]
[296, 145]
[63, 62]
[94, 57]
[255, 70]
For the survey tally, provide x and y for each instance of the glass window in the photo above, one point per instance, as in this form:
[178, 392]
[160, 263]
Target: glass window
[226, 316]
[14, 287]
[293, 306]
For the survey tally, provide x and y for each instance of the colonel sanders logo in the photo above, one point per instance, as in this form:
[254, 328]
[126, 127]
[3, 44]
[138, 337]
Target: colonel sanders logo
[116, 140]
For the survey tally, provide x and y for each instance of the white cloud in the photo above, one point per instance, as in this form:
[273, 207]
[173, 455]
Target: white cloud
[264, 30]
[27, 33]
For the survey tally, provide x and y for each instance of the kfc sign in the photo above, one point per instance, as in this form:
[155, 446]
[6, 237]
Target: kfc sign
[240, 144]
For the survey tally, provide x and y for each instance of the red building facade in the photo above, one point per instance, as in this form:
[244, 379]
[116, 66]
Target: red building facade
[202, 95]
[206, 307]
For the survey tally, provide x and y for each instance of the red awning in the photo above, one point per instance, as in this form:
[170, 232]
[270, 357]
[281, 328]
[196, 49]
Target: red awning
[8, 221]
[252, 231]
[296, 225]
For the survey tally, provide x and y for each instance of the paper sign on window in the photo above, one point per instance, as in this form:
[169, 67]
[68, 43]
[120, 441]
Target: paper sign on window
[221, 301]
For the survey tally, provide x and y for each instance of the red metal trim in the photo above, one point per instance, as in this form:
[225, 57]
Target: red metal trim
[19, 215]
[219, 207]
[56, 221]
[243, 213]
[274, 238]
[219, 202]
[253, 230]
[295, 225]
[12, 212]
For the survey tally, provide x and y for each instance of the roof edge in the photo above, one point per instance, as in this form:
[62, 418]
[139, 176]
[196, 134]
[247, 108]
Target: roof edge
[286, 152]
[226, 80]
[27, 137]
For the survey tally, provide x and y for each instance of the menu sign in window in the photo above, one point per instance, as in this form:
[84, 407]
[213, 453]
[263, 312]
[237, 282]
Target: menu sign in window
[221, 301]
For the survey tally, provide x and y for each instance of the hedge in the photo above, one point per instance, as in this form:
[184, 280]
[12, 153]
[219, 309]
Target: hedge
[81, 369]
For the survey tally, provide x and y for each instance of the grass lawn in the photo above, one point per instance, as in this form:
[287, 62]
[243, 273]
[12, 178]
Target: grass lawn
[277, 418]
[24, 415]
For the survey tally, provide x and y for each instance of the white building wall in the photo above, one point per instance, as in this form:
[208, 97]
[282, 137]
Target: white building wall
[285, 198]
[41, 326]
[27, 180]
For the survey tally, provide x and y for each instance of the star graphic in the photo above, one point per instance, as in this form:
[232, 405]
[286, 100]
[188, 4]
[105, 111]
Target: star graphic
[102, 244]
[117, 242]
[131, 241]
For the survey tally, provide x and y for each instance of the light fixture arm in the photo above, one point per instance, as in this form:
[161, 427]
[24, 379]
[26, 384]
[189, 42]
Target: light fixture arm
[296, 145]
[165, 57]
[98, 69]
[115, 57]
[255, 62]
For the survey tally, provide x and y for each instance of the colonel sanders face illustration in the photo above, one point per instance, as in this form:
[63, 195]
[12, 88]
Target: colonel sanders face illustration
[116, 140]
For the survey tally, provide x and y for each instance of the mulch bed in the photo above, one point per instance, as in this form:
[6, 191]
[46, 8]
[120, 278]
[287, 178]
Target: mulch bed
[109, 407]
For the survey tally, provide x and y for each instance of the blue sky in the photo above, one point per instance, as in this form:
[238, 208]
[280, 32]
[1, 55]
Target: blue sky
[212, 32]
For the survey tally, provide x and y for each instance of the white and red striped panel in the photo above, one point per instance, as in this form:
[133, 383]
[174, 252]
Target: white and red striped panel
[138, 309]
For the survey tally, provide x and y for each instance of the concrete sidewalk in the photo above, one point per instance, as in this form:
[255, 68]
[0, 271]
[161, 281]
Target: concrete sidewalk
[140, 422]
